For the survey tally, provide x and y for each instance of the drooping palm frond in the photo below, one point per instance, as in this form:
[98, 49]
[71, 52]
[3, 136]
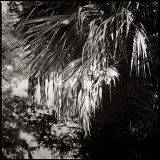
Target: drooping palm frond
[139, 53]
[74, 54]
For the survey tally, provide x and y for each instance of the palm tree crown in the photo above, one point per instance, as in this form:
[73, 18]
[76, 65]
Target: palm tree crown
[77, 47]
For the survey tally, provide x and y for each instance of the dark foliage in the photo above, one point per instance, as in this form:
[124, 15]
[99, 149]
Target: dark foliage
[125, 122]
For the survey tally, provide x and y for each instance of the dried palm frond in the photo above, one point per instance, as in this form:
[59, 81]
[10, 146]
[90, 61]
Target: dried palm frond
[73, 55]
[139, 53]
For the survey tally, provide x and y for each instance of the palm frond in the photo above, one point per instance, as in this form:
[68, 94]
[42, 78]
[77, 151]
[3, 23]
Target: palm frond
[74, 55]
[139, 53]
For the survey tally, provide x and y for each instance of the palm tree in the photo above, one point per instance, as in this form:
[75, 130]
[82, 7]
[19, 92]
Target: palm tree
[78, 47]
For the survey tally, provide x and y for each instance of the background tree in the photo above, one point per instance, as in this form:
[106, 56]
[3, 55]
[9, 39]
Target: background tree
[77, 48]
